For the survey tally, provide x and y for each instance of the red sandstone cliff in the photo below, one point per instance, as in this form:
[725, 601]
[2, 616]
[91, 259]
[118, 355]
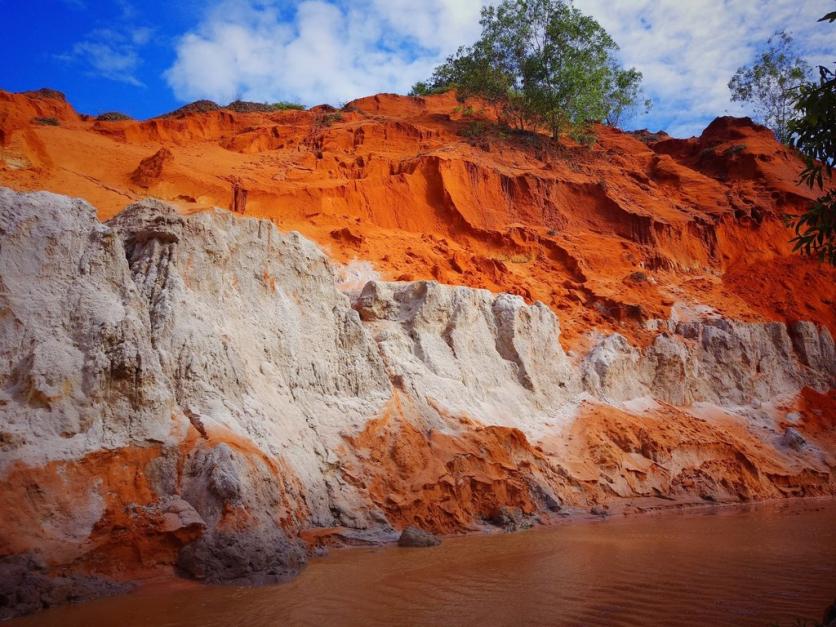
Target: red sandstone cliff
[192, 391]
[608, 237]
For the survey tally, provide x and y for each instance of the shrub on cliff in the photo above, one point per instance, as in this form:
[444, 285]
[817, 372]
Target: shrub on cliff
[46, 92]
[112, 116]
[198, 106]
[245, 106]
[541, 63]
[283, 105]
[422, 88]
[329, 119]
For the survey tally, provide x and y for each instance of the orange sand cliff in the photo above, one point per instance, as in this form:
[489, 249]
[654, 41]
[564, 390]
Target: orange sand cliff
[190, 393]
[608, 237]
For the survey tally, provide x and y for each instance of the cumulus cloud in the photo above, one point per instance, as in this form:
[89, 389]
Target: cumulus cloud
[688, 51]
[318, 51]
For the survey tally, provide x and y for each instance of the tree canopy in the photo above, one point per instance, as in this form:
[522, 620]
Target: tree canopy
[541, 63]
[813, 133]
[770, 84]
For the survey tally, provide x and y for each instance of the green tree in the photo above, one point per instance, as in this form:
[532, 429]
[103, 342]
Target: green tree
[770, 84]
[422, 88]
[541, 63]
[623, 95]
[814, 135]
[471, 72]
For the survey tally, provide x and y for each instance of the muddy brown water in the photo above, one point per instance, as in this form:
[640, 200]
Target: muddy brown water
[765, 565]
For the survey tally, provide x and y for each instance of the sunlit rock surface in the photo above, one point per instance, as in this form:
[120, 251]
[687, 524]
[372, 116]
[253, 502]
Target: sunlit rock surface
[422, 329]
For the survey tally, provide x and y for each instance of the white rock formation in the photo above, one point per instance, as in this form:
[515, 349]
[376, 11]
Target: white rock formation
[137, 332]
[254, 337]
[227, 347]
[714, 360]
[470, 352]
[78, 367]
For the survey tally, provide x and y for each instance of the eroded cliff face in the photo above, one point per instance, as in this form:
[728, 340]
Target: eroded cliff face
[193, 394]
[609, 237]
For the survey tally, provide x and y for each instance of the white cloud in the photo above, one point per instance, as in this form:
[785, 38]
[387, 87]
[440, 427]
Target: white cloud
[692, 48]
[317, 51]
[141, 36]
[111, 54]
[322, 52]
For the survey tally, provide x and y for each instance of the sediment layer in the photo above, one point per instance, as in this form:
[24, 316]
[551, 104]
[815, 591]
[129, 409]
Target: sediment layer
[609, 237]
[194, 394]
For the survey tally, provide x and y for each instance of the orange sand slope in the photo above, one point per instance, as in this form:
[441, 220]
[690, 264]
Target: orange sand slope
[639, 226]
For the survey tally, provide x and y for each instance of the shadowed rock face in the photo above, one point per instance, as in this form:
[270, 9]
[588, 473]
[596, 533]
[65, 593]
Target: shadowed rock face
[193, 394]
[27, 586]
[150, 170]
[417, 538]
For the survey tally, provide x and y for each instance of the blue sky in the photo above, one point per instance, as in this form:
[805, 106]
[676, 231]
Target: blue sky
[148, 57]
[104, 54]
